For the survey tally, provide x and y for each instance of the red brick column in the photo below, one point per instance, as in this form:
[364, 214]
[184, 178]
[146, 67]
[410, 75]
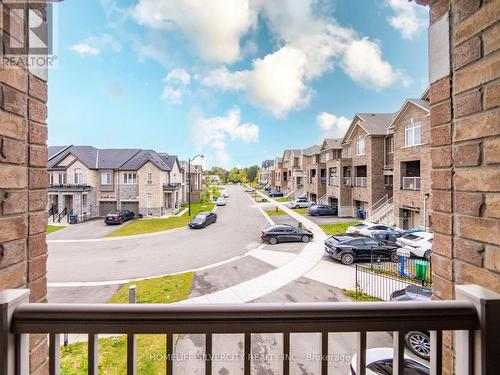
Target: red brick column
[465, 121]
[23, 183]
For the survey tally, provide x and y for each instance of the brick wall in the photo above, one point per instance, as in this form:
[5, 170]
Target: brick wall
[465, 125]
[23, 186]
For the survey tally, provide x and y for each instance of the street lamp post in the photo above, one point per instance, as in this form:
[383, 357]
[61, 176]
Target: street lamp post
[189, 181]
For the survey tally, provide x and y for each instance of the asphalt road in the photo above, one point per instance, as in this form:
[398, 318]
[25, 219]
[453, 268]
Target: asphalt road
[236, 231]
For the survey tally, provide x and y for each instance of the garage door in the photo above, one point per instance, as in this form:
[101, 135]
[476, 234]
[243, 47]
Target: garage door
[106, 207]
[131, 206]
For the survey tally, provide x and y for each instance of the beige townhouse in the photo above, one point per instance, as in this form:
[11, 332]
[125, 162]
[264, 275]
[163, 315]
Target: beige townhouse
[266, 173]
[408, 155]
[314, 189]
[278, 174]
[91, 182]
[293, 173]
[192, 176]
[364, 141]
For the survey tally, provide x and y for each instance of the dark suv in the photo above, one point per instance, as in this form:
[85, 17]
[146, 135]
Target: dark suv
[118, 217]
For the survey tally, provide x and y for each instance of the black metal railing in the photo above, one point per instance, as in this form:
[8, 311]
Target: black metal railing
[62, 214]
[171, 186]
[466, 316]
[70, 186]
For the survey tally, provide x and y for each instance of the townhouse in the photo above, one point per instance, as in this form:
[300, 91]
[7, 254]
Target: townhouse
[266, 174]
[278, 174]
[91, 182]
[313, 188]
[292, 172]
[408, 164]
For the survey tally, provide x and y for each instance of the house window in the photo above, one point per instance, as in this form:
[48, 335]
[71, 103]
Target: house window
[106, 178]
[149, 200]
[78, 177]
[390, 146]
[62, 178]
[346, 152]
[51, 179]
[360, 146]
[84, 200]
[328, 157]
[150, 178]
[130, 178]
[412, 134]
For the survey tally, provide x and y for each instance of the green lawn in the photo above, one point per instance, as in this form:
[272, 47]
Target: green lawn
[360, 296]
[337, 228]
[302, 211]
[142, 226]
[151, 349]
[54, 228]
[282, 199]
[275, 213]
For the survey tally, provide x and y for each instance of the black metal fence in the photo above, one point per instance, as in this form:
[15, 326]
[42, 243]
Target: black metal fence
[381, 277]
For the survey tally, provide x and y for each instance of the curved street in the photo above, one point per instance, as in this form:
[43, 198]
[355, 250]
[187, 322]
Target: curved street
[236, 231]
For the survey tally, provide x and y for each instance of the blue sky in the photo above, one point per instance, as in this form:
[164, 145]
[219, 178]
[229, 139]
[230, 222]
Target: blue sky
[236, 80]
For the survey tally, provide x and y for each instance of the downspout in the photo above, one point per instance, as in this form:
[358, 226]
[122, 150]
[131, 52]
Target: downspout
[425, 209]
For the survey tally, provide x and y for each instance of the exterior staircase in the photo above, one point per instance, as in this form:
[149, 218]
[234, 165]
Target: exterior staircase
[382, 211]
[322, 200]
[289, 192]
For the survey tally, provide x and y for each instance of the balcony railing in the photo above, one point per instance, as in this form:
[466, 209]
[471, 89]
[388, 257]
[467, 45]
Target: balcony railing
[411, 183]
[347, 181]
[333, 181]
[173, 186]
[477, 309]
[70, 186]
[362, 181]
[322, 180]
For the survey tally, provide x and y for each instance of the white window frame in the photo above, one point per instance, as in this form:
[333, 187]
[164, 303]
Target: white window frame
[84, 200]
[130, 178]
[79, 177]
[149, 179]
[149, 200]
[391, 145]
[51, 179]
[360, 146]
[411, 131]
[104, 178]
[62, 178]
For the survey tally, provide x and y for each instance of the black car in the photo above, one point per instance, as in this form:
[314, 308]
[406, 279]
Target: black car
[322, 210]
[388, 237]
[118, 217]
[285, 233]
[202, 220]
[349, 248]
[267, 189]
[275, 194]
[418, 342]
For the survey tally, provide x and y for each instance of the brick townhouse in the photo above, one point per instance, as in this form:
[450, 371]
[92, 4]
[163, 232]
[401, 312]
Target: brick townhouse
[364, 142]
[266, 174]
[407, 168]
[311, 166]
[278, 173]
[293, 174]
[91, 182]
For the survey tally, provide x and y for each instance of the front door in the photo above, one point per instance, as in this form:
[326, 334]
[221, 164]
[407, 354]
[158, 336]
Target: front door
[68, 203]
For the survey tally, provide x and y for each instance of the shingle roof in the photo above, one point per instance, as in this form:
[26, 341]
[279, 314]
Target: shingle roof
[375, 123]
[421, 103]
[123, 159]
[267, 163]
[333, 143]
[315, 149]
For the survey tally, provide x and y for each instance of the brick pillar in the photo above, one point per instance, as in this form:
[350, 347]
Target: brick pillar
[464, 71]
[23, 179]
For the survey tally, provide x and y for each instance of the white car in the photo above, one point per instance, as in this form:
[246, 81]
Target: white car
[379, 361]
[249, 189]
[369, 229]
[417, 243]
[300, 203]
[225, 194]
[221, 202]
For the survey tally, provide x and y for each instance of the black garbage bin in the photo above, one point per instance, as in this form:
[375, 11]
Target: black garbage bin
[73, 218]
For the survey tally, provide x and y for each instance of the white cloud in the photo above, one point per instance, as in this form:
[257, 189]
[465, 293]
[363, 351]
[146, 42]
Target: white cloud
[363, 62]
[171, 95]
[214, 26]
[214, 132]
[178, 75]
[409, 18]
[331, 125]
[84, 49]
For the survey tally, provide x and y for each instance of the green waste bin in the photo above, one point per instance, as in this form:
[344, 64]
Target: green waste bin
[421, 269]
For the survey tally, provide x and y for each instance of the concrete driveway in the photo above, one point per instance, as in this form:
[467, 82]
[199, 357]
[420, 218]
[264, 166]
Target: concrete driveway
[237, 231]
[92, 229]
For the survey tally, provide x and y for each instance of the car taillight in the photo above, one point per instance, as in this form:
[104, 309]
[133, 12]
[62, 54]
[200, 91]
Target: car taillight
[117, 216]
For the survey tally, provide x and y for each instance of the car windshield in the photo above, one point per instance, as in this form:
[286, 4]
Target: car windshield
[360, 226]
[113, 213]
[412, 237]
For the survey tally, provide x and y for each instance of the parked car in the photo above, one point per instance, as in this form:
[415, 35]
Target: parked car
[202, 220]
[369, 229]
[417, 243]
[221, 201]
[349, 248]
[285, 233]
[418, 342]
[225, 194]
[301, 202]
[118, 217]
[388, 237]
[379, 362]
[275, 194]
[249, 189]
[267, 189]
[322, 210]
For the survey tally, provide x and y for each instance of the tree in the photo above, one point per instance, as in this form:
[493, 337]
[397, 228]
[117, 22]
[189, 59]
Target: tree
[252, 172]
[243, 178]
[233, 176]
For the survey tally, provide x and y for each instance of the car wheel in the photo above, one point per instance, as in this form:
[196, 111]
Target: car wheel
[120, 222]
[347, 259]
[306, 239]
[296, 206]
[273, 241]
[427, 255]
[394, 257]
[419, 343]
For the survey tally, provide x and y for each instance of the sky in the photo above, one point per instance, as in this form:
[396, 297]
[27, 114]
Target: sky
[237, 81]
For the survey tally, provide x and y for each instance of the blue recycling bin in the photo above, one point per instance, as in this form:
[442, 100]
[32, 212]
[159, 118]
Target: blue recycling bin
[73, 218]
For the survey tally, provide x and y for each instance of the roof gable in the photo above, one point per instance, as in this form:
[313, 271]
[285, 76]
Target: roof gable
[409, 103]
